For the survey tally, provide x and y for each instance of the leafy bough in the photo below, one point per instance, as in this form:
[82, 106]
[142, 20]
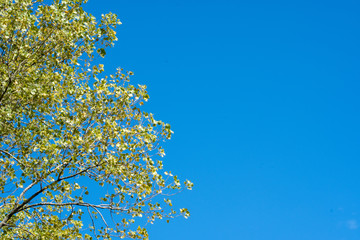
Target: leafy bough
[72, 140]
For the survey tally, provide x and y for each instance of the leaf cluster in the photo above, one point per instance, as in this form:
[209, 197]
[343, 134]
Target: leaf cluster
[72, 140]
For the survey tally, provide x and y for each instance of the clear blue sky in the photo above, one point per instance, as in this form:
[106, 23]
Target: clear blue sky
[263, 97]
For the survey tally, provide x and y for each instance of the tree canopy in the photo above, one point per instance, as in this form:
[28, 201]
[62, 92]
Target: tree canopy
[79, 157]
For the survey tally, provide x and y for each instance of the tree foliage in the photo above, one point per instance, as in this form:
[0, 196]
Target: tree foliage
[79, 157]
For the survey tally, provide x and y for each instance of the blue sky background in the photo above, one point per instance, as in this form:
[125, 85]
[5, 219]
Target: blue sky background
[263, 97]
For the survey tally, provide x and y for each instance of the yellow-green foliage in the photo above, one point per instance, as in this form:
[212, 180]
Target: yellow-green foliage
[64, 128]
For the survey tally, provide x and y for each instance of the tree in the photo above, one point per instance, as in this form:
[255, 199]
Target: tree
[79, 158]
